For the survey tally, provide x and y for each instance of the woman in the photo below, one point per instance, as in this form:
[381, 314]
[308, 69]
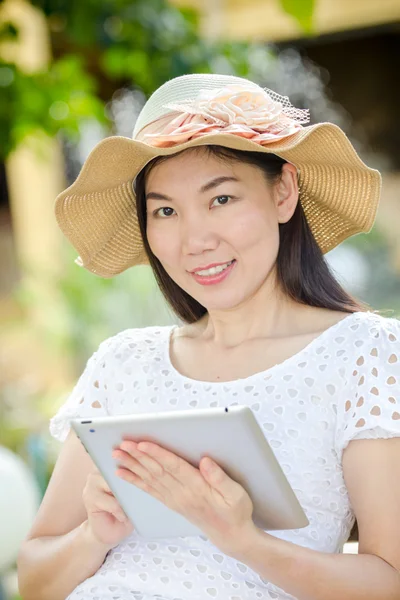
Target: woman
[233, 202]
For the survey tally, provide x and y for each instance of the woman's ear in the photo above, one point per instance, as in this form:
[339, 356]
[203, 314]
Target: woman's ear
[287, 193]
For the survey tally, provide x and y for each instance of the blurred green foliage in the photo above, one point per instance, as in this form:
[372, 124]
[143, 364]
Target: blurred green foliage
[100, 46]
[45, 102]
[302, 11]
[383, 289]
[97, 48]
[92, 308]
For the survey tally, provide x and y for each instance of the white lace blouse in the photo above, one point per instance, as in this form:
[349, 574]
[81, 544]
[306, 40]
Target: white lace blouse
[343, 385]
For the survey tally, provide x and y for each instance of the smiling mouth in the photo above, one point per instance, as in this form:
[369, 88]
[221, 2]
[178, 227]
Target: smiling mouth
[213, 270]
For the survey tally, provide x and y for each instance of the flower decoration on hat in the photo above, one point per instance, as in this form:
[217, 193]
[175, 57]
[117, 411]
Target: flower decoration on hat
[251, 112]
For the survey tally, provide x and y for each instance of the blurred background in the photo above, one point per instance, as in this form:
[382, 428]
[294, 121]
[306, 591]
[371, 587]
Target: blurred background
[73, 73]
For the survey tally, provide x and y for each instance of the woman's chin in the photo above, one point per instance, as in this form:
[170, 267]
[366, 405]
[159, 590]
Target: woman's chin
[221, 303]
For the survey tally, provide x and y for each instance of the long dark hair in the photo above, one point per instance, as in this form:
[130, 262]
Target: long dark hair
[302, 270]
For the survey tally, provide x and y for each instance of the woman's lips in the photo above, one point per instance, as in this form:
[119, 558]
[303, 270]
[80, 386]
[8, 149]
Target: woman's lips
[212, 279]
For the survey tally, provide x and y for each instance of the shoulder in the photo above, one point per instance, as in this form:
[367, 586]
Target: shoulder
[363, 342]
[133, 341]
[372, 330]
[141, 334]
[368, 406]
[375, 355]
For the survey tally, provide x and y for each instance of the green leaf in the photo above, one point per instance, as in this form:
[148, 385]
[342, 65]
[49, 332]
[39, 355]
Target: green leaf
[8, 32]
[302, 11]
[114, 61]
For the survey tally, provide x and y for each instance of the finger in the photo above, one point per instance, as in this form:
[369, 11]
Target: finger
[143, 459]
[149, 470]
[96, 480]
[218, 479]
[136, 473]
[173, 464]
[103, 502]
[134, 479]
[132, 464]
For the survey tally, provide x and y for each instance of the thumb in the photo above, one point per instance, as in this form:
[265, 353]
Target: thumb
[216, 477]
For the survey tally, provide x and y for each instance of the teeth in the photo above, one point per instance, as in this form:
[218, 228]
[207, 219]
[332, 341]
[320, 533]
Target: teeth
[214, 270]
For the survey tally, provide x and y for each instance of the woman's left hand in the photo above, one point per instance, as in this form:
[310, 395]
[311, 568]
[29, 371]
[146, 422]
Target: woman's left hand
[206, 496]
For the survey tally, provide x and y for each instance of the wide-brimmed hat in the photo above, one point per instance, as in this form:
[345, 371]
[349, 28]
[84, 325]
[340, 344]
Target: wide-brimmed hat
[97, 213]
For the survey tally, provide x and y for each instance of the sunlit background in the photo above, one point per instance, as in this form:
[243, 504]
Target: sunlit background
[73, 73]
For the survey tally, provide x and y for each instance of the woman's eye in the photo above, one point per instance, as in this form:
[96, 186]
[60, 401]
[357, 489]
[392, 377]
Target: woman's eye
[221, 200]
[164, 211]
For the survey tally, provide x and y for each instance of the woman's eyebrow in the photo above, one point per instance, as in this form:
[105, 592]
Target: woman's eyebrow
[215, 182]
[204, 188]
[156, 196]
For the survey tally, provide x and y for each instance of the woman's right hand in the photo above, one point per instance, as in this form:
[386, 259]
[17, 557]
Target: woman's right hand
[107, 523]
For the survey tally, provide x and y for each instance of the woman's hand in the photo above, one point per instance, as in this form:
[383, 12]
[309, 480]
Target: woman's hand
[207, 497]
[107, 523]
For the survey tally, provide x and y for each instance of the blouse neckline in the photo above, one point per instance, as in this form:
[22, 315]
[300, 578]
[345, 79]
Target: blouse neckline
[267, 373]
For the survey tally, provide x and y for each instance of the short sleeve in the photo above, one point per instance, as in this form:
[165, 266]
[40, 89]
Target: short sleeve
[370, 407]
[89, 396]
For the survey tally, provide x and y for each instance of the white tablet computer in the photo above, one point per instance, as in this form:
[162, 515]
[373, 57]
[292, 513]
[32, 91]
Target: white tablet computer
[231, 436]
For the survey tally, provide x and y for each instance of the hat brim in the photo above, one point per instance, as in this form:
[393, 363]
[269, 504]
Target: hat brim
[97, 213]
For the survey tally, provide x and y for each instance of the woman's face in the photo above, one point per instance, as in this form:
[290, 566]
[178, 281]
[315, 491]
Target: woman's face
[202, 211]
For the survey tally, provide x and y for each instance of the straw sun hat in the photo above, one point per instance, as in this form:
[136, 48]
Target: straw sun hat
[97, 213]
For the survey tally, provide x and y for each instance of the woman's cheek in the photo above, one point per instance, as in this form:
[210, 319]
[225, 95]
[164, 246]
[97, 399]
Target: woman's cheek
[253, 229]
[165, 246]
[160, 242]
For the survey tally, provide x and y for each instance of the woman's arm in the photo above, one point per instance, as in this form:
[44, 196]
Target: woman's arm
[69, 559]
[372, 476]
[311, 575]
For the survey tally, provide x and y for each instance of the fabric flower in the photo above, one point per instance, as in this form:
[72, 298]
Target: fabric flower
[246, 111]
[238, 104]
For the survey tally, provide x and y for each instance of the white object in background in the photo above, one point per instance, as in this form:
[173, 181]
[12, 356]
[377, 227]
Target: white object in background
[19, 501]
[350, 548]
[350, 268]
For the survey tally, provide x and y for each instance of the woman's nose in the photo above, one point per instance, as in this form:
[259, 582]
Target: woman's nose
[197, 236]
